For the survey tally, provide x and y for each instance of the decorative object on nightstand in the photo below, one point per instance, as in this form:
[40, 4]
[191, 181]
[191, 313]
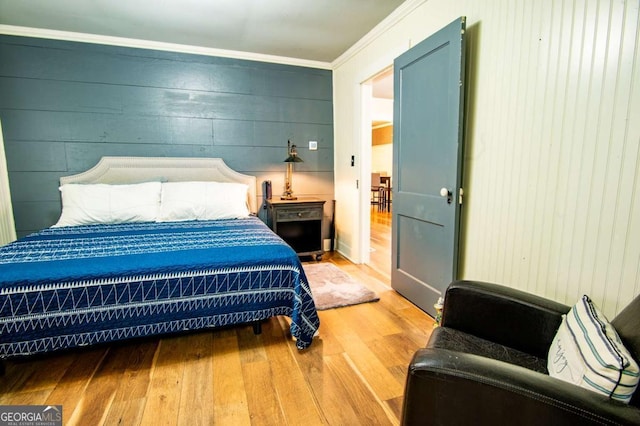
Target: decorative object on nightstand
[299, 223]
[292, 157]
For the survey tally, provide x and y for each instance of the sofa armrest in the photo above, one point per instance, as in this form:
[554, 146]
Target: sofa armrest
[503, 315]
[448, 387]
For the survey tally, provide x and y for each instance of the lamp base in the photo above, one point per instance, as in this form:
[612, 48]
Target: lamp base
[288, 197]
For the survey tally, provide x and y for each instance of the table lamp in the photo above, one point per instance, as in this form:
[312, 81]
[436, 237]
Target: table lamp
[292, 157]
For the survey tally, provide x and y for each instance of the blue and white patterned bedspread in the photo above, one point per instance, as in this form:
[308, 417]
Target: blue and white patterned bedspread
[76, 286]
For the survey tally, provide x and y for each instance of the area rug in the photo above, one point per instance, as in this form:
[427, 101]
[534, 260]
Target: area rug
[332, 288]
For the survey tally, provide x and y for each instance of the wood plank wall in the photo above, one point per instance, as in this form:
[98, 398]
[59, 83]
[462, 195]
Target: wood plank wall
[65, 104]
[553, 150]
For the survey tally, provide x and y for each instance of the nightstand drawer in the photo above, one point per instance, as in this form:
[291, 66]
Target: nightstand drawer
[298, 214]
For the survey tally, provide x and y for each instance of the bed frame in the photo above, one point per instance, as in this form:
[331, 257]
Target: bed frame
[123, 170]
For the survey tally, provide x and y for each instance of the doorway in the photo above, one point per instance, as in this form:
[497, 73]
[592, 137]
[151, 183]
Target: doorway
[379, 123]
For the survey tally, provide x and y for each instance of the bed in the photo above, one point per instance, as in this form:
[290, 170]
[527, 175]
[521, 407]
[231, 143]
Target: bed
[82, 284]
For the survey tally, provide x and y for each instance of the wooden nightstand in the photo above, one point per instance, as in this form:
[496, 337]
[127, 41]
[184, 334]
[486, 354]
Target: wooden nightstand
[299, 223]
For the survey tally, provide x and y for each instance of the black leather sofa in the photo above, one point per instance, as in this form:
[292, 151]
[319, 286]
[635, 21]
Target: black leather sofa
[486, 364]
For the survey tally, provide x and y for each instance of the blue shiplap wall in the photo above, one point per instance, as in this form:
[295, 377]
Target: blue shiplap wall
[63, 105]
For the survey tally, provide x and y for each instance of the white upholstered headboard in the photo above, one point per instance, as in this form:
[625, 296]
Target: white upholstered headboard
[122, 170]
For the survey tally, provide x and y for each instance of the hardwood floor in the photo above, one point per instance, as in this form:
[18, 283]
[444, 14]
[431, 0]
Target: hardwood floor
[352, 374]
[380, 242]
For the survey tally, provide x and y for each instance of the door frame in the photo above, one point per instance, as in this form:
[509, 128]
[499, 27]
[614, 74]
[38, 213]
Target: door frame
[365, 152]
[366, 100]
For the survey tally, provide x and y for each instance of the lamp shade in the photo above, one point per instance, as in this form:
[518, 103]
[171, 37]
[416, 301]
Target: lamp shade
[293, 159]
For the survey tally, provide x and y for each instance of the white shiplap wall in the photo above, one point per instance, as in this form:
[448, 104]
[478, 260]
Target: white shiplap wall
[553, 133]
[553, 162]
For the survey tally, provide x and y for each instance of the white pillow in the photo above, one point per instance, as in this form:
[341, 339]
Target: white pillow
[87, 204]
[588, 352]
[202, 201]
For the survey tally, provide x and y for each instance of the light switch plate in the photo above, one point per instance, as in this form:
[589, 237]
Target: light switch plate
[313, 145]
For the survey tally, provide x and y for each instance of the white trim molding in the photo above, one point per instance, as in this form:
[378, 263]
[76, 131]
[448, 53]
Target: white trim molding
[155, 45]
[401, 12]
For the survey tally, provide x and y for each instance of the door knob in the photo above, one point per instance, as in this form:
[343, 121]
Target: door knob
[446, 193]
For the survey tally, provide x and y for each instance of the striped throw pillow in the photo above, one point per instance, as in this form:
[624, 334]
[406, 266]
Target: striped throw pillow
[587, 351]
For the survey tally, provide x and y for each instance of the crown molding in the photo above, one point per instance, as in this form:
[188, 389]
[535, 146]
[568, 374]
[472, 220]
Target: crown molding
[155, 45]
[397, 15]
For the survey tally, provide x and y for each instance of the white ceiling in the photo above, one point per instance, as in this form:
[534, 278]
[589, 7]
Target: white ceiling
[318, 30]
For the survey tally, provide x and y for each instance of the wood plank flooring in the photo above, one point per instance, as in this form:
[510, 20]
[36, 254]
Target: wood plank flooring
[353, 373]
[380, 241]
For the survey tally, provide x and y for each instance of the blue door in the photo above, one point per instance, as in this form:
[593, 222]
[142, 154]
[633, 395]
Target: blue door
[427, 165]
